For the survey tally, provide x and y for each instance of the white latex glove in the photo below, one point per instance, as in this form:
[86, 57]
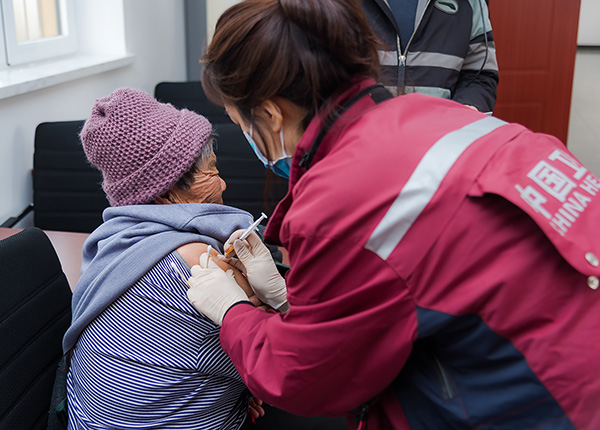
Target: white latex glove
[255, 261]
[213, 291]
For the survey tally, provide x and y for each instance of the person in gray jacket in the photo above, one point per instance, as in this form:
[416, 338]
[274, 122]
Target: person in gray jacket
[443, 48]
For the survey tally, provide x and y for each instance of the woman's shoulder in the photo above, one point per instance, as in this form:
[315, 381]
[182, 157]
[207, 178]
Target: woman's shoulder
[191, 252]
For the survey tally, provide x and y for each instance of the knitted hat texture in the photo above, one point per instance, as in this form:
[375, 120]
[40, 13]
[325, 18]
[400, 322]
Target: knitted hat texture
[141, 146]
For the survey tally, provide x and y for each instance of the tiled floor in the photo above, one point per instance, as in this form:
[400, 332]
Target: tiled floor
[584, 126]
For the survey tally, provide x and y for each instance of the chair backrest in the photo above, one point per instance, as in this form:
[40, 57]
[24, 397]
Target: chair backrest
[35, 312]
[67, 194]
[249, 185]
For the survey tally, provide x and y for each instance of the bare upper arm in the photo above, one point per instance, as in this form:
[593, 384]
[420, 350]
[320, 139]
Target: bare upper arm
[191, 253]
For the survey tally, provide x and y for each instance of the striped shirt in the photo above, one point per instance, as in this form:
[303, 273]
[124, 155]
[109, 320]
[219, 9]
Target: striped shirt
[151, 360]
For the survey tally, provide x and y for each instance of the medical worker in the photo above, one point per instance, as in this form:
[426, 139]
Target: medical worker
[444, 263]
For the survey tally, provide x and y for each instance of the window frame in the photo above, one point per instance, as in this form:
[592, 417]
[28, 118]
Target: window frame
[40, 49]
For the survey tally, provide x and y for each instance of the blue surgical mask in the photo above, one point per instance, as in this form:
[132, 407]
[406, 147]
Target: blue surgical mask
[281, 166]
[257, 152]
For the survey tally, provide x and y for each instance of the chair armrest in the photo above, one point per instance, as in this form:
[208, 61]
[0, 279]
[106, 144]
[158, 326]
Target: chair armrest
[15, 219]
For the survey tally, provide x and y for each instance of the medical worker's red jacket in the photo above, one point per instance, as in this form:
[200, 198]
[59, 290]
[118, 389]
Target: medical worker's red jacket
[444, 271]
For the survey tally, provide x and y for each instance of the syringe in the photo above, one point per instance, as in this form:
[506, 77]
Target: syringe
[246, 233]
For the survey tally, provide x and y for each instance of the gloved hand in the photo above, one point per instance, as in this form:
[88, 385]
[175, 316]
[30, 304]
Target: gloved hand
[213, 291]
[255, 261]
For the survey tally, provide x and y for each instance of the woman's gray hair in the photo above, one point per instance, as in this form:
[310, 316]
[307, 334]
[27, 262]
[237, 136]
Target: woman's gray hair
[187, 179]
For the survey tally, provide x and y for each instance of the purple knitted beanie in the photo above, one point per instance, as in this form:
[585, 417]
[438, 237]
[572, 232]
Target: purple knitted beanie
[141, 146]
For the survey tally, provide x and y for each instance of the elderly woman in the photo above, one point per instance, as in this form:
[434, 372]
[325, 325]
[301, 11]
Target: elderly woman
[142, 356]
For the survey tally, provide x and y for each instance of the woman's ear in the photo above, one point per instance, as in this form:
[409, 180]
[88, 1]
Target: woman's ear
[271, 114]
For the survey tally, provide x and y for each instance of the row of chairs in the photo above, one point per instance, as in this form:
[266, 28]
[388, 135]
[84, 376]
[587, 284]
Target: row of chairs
[66, 189]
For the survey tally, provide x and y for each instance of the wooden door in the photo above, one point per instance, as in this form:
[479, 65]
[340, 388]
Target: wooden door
[536, 43]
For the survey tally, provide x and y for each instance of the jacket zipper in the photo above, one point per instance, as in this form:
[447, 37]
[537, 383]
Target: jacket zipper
[364, 416]
[448, 391]
[401, 67]
[402, 56]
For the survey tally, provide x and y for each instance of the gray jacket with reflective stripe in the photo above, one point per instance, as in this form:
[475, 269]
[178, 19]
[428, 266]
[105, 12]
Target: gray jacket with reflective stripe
[446, 56]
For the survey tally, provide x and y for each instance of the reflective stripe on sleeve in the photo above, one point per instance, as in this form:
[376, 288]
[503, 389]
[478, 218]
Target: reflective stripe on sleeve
[424, 183]
[434, 59]
[476, 56]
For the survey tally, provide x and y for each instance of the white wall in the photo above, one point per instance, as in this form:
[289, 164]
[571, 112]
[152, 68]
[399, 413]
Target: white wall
[589, 30]
[154, 31]
[214, 9]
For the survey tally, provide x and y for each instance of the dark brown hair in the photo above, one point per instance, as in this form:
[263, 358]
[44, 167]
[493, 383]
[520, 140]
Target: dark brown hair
[307, 51]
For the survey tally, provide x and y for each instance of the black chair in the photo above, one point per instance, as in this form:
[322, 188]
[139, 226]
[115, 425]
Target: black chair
[249, 185]
[35, 312]
[67, 195]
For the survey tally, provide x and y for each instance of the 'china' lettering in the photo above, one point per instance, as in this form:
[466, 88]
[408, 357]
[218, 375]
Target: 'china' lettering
[566, 189]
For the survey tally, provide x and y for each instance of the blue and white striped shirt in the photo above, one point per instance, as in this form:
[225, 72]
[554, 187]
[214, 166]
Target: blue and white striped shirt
[151, 360]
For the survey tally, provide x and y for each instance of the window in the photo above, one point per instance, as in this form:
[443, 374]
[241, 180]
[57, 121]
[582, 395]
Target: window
[34, 30]
[38, 29]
